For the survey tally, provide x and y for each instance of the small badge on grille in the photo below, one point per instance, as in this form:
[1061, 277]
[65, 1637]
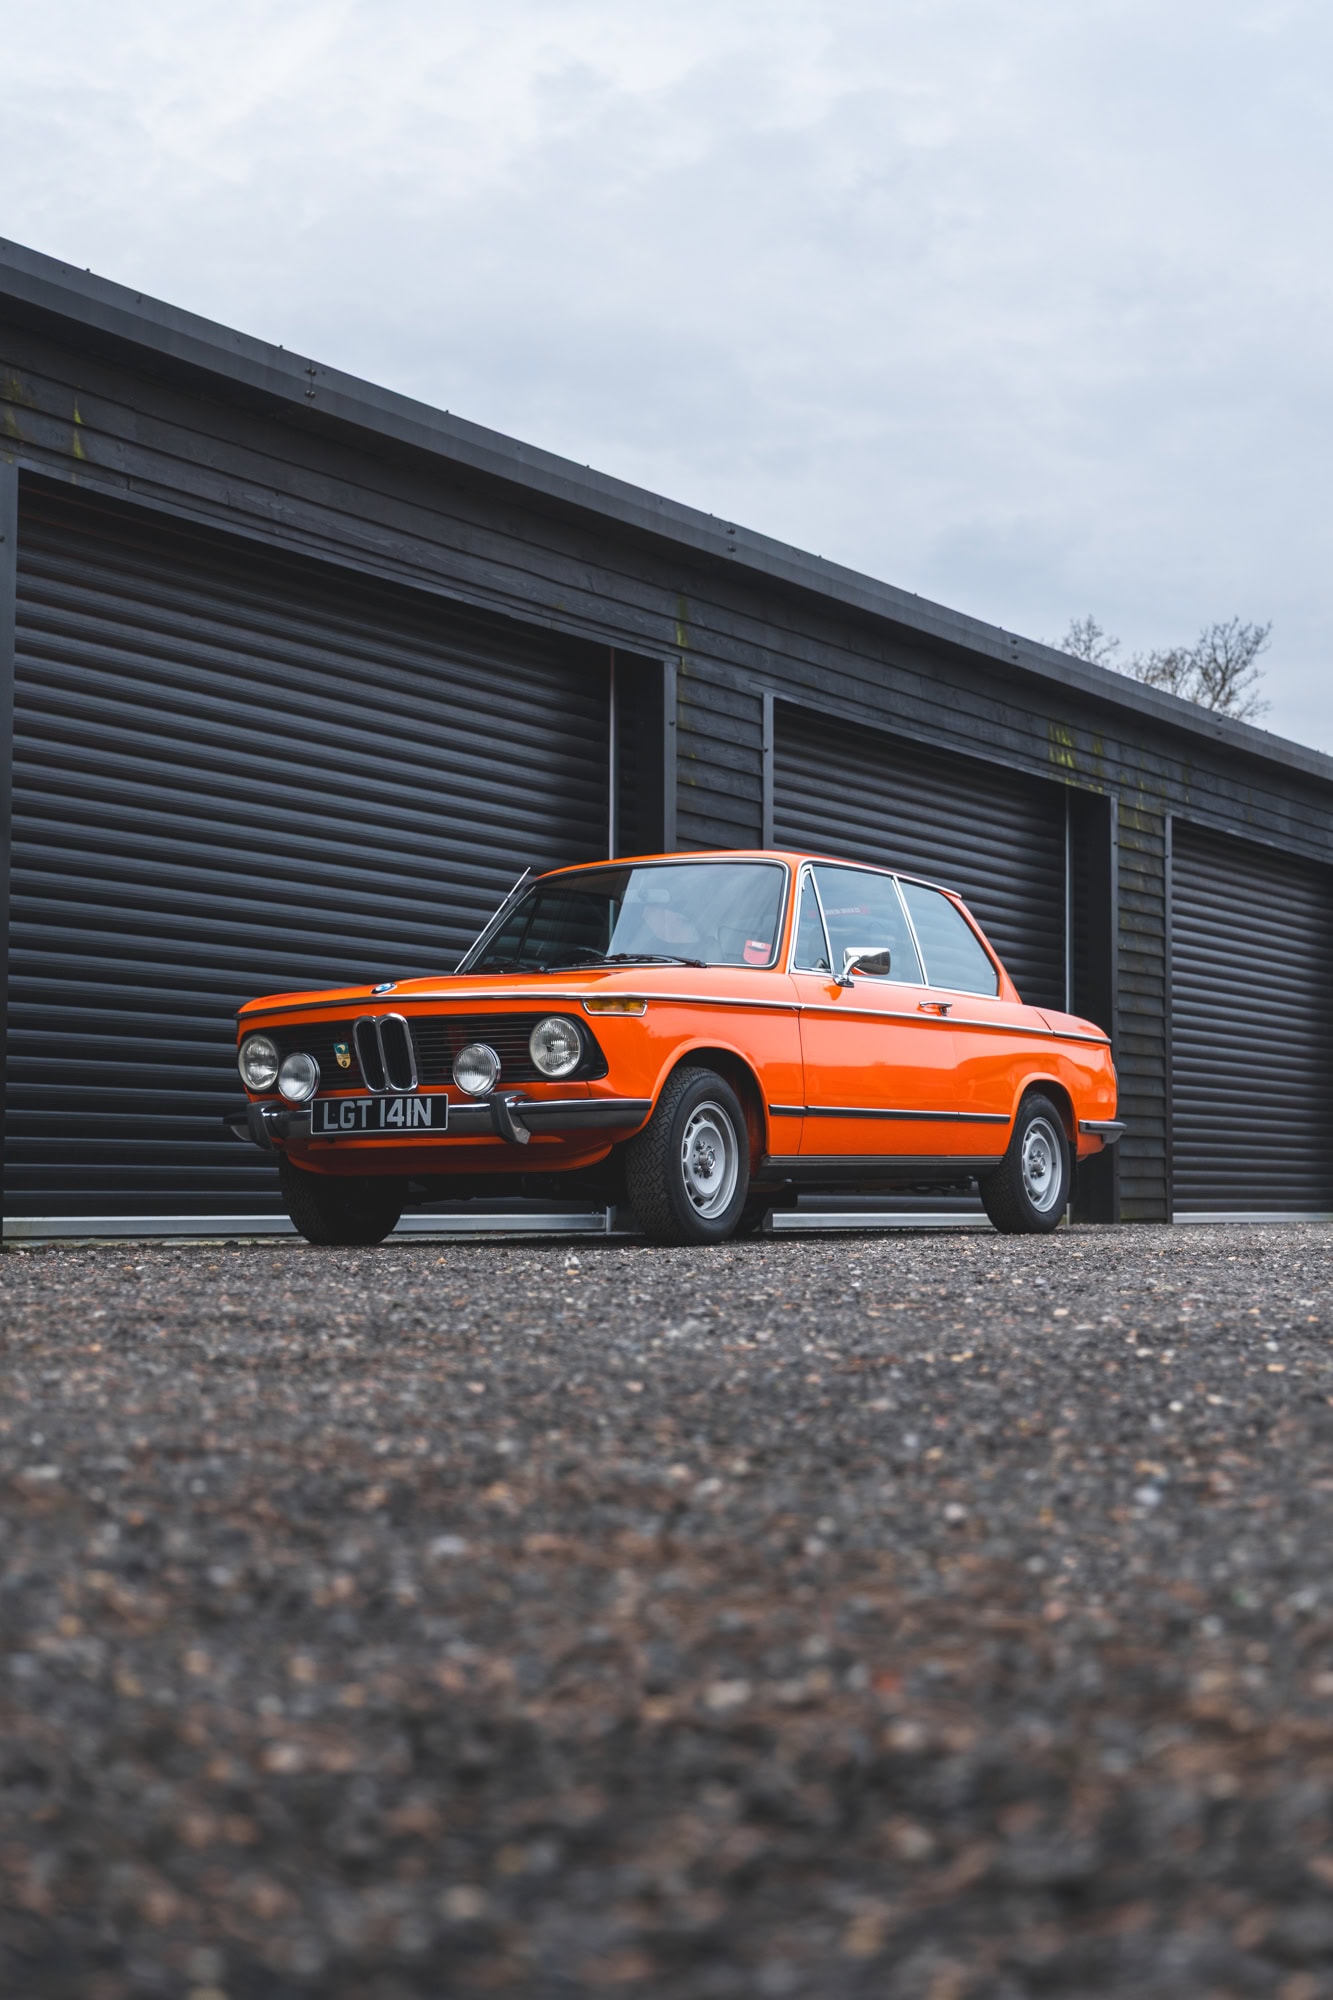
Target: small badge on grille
[385, 986]
[344, 1055]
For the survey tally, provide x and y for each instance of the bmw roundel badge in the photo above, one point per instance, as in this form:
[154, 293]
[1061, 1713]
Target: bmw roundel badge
[385, 986]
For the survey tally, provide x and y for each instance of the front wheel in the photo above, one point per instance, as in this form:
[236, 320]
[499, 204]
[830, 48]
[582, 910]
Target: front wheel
[687, 1173]
[341, 1212]
[1029, 1190]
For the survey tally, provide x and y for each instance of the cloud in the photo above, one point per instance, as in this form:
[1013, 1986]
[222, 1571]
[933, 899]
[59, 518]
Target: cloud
[1026, 308]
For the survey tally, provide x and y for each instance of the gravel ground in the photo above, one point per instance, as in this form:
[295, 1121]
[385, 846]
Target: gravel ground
[921, 1617]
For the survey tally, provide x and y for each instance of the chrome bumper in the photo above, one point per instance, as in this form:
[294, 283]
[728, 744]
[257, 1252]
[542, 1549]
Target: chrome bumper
[507, 1115]
[1108, 1130]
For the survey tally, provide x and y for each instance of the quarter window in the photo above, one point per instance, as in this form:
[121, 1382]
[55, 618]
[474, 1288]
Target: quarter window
[862, 909]
[811, 953]
[949, 945]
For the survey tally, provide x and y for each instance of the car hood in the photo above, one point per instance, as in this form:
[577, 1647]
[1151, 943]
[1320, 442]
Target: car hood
[446, 986]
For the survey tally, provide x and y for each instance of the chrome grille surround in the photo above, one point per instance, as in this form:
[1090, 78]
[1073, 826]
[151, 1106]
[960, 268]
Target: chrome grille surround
[385, 1053]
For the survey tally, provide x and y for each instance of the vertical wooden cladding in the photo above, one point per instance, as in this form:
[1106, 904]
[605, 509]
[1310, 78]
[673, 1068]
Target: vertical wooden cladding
[1141, 1062]
[994, 835]
[719, 762]
[1251, 1066]
[238, 773]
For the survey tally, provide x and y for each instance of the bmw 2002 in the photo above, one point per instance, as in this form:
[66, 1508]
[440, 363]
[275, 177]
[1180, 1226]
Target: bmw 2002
[701, 1035]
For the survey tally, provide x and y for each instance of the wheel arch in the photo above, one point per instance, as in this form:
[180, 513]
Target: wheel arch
[1049, 1086]
[743, 1080]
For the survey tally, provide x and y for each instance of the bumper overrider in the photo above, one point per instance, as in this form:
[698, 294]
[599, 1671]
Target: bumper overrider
[506, 1115]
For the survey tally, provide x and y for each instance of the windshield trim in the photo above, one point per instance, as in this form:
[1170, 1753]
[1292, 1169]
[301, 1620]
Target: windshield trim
[686, 860]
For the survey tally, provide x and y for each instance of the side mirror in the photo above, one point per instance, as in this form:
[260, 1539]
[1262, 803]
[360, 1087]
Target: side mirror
[871, 959]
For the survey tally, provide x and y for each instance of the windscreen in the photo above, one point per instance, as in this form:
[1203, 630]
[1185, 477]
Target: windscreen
[672, 912]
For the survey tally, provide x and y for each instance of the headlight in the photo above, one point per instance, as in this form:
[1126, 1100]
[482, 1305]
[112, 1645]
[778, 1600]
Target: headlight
[257, 1060]
[475, 1069]
[298, 1078]
[556, 1046]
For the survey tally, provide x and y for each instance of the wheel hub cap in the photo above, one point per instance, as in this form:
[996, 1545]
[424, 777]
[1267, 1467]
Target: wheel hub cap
[1041, 1165]
[710, 1160]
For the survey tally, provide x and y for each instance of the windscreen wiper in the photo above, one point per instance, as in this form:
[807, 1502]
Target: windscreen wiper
[649, 958]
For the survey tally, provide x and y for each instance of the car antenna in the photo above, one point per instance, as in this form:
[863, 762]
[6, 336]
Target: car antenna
[489, 929]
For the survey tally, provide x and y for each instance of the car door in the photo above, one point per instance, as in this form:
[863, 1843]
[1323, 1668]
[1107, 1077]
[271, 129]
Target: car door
[993, 1031]
[878, 1054]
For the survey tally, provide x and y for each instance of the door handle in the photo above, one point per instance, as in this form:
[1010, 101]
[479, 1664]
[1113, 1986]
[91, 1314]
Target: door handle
[940, 1007]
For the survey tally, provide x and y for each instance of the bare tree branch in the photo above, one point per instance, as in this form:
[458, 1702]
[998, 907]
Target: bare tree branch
[1220, 670]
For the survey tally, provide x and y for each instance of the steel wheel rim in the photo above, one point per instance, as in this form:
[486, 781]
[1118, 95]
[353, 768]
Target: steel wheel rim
[1041, 1165]
[709, 1160]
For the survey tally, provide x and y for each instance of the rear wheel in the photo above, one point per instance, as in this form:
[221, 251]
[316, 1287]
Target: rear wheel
[687, 1173]
[342, 1212]
[1029, 1190]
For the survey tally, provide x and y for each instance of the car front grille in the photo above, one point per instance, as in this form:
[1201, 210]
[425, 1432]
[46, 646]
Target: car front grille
[436, 1040]
[320, 1039]
[439, 1037]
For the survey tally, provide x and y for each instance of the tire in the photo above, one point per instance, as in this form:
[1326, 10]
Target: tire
[341, 1213]
[687, 1173]
[1029, 1190]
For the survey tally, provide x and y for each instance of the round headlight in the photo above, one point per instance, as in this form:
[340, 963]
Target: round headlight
[475, 1069]
[556, 1046]
[257, 1060]
[298, 1078]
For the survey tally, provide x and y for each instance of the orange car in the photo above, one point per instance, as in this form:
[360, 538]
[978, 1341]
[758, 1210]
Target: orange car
[705, 1035]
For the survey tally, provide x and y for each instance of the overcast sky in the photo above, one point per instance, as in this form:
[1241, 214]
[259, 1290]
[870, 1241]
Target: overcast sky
[1021, 304]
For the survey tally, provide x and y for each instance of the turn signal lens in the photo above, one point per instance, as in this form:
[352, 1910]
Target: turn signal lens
[257, 1060]
[298, 1078]
[614, 1003]
[476, 1068]
[556, 1046]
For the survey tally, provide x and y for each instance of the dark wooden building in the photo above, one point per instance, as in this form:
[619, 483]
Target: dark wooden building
[297, 675]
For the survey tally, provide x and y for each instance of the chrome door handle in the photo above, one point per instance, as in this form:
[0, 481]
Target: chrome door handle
[934, 1006]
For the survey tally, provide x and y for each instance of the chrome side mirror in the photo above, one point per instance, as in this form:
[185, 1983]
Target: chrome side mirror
[872, 959]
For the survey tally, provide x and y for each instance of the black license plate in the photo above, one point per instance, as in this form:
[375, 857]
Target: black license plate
[341, 1117]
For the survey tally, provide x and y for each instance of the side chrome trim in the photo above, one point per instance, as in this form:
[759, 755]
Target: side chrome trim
[756, 1005]
[550, 997]
[870, 1167]
[834, 1011]
[863, 1111]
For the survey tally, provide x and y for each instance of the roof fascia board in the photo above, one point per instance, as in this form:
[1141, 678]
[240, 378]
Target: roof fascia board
[96, 310]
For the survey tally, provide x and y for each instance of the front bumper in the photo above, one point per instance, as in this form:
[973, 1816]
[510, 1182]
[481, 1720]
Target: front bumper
[1108, 1130]
[506, 1115]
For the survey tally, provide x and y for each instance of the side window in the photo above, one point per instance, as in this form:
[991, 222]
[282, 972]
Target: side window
[950, 948]
[864, 909]
[811, 950]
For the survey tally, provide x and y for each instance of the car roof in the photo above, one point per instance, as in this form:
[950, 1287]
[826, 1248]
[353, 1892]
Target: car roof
[788, 856]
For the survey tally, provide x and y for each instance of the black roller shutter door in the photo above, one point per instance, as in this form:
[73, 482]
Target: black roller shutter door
[1251, 1077]
[995, 837]
[236, 773]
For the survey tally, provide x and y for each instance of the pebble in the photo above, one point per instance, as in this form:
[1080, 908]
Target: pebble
[875, 1618]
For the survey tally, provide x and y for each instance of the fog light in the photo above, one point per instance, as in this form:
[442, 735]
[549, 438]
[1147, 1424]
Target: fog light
[476, 1068]
[555, 1046]
[298, 1078]
[257, 1060]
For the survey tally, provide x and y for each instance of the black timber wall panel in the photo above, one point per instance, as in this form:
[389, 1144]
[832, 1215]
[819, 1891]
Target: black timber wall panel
[238, 774]
[76, 408]
[1141, 1042]
[1251, 1068]
[720, 762]
[994, 836]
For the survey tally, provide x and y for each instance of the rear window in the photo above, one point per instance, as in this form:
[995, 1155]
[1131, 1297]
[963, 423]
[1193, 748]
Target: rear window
[949, 945]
